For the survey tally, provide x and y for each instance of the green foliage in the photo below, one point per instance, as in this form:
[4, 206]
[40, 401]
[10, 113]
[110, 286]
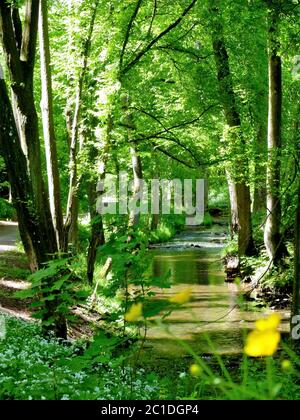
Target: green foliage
[57, 286]
[7, 211]
[163, 234]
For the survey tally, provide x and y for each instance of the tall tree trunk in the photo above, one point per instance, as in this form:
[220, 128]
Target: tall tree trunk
[21, 147]
[240, 196]
[273, 238]
[48, 126]
[296, 290]
[19, 48]
[71, 223]
[296, 294]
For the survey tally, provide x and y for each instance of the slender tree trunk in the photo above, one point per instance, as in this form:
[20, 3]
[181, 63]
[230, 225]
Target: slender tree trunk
[71, 223]
[240, 196]
[48, 126]
[273, 238]
[260, 193]
[137, 170]
[97, 231]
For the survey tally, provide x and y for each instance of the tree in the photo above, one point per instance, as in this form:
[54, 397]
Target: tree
[239, 190]
[73, 114]
[273, 237]
[48, 126]
[19, 48]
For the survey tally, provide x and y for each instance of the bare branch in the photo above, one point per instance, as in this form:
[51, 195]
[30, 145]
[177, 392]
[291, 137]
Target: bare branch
[9, 42]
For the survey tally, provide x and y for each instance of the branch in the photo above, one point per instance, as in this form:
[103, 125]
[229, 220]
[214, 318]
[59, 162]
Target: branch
[184, 51]
[165, 152]
[153, 17]
[28, 47]
[174, 139]
[141, 54]
[209, 163]
[129, 27]
[9, 43]
[169, 129]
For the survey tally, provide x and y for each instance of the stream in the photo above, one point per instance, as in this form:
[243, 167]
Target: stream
[194, 260]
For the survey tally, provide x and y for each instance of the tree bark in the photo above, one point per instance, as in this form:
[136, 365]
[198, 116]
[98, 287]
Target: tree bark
[273, 238]
[48, 126]
[39, 239]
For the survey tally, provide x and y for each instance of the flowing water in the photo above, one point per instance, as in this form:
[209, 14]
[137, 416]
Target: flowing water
[193, 259]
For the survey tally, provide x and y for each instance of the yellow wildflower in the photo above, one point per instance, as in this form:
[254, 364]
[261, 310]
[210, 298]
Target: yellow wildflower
[270, 323]
[262, 343]
[182, 297]
[195, 370]
[134, 313]
[265, 339]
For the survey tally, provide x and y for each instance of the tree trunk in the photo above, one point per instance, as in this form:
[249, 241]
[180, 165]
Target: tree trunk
[97, 231]
[239, 190]
[296, 294]
[137, 192]
[71, 223]
[21, 147]
[48, 126]
[19, 51]
[273, 238]
[260, 192]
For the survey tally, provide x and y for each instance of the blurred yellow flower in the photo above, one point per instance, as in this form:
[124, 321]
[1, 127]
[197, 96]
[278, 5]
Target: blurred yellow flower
[265, 339]
[286, 366]
[272, 322]
[195, 370]
[134, 313]
[182, 297]
[262, 343]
